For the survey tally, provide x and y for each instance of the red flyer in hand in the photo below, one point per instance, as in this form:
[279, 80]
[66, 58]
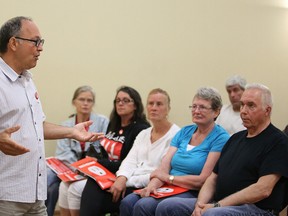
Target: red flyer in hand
[95, 170]
[62, 170]
[166, 191]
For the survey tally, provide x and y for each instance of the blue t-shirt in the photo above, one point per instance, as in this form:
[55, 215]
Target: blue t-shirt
[191, 162]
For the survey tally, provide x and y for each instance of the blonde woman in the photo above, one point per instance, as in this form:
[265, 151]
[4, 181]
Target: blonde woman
[146, 154]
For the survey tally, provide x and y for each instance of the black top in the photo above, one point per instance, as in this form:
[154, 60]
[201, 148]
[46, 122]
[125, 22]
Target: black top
[244, 160]
[126, 136]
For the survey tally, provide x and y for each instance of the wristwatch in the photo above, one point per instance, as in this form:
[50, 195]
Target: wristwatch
[171, 179]
[216, 204]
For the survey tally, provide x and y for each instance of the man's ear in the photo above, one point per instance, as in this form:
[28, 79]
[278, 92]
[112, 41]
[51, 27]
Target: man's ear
[268, 110]
[12, 44]
[218, 112]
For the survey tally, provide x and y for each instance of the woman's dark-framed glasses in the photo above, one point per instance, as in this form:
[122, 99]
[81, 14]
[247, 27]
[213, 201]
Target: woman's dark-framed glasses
[124, 100]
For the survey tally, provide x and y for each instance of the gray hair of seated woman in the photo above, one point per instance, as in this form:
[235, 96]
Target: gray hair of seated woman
[82, 89]
[210, 94]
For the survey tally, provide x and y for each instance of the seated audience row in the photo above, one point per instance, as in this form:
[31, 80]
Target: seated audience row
[70, 194]
[127, 119]
[203, 140]
[250, 178]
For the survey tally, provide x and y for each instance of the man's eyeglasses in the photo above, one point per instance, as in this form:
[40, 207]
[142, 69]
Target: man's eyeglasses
[37, 42]
[201, 108]
[124, 100]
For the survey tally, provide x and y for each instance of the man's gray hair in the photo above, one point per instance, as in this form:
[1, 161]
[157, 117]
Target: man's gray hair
[267, 99]
[236, 80]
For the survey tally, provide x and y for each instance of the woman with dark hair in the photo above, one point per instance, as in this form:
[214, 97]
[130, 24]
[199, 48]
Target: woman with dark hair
[138, 113]
[127, 119]
[146, 154]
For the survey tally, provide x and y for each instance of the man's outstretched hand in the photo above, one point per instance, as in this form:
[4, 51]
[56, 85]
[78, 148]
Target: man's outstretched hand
[8, 146]
[81, 134]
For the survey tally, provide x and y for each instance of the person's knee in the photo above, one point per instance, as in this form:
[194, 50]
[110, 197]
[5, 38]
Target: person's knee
[51, 177]
[163, 208]
[125, 208]
[139, 204]
[53, 188]
[63, 190]
[211, 212]
[175, 206]
[138, 207]
[74, 198]
[127, 204]
[147, 205]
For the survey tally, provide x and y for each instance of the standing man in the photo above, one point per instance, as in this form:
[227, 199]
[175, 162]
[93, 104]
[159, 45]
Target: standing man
[229, 117]
[251, 176]
[23, 177]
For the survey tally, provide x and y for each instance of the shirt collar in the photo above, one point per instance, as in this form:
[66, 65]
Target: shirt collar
[11, 74]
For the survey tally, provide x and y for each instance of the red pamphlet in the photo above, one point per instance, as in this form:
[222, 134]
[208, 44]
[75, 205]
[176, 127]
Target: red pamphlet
[62, 170]
[166, 191]
[95, 170]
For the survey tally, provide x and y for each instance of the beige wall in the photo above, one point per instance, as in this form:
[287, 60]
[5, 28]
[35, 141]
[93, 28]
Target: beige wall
[176, 45]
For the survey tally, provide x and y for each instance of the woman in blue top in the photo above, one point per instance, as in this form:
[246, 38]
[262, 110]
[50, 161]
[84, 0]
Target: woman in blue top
[190, 159]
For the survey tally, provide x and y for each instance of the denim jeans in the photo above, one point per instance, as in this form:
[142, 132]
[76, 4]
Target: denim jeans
[134, 205]
[53, 183]
[127, 204]
[184, 207]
